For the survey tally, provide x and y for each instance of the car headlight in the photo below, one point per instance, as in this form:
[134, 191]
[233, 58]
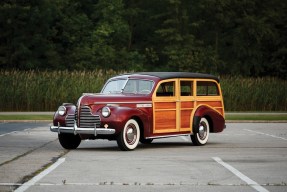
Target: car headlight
[62, 110]
[106, 111]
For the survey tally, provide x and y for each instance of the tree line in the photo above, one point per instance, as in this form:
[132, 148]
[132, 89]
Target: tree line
[223, 37]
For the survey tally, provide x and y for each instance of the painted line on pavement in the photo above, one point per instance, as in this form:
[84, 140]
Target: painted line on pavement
[243, 177]
[38, 177]
[14, 132]
[261, 133]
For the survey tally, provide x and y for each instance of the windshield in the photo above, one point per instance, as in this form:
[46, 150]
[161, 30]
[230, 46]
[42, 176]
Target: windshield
[135, 86]
[114, 86]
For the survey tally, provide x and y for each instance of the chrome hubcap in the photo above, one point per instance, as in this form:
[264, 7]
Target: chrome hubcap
[202, 131]
[131, 134]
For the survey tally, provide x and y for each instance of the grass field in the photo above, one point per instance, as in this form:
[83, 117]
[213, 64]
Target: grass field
[26, 117]
[45, 91]
[257, 117]
[229, 116]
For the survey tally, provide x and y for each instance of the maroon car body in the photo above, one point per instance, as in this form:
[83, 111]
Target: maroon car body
[140, 107]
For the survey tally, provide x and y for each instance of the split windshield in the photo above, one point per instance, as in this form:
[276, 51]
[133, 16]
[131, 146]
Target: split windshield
[134, 86]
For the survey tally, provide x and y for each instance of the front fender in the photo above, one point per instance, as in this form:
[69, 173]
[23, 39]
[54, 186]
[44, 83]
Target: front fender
[61, 119]
[120, 115]
[216, 120]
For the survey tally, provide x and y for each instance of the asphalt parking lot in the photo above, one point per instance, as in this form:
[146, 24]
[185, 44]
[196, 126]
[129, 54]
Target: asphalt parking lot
[244, 157]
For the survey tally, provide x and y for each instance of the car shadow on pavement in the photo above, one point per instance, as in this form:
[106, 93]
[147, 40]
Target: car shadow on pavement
[155, 145]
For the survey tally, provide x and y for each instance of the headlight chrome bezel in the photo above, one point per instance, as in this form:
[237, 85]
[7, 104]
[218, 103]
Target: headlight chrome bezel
[62, 110]
[106, 111]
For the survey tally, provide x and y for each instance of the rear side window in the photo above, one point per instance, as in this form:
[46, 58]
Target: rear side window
[206, 88]
[186, 88]
[166, 89]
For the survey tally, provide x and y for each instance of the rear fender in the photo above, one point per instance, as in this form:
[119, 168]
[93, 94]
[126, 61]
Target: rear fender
[216, 120]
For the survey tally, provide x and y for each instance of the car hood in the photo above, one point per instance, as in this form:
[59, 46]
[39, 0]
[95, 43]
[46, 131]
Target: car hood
[91, 99]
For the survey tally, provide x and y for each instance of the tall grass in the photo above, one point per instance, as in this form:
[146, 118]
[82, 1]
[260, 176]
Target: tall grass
[254, 94]
[45, 91]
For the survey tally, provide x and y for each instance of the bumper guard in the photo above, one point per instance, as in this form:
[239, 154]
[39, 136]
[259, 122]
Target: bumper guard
[78, 130]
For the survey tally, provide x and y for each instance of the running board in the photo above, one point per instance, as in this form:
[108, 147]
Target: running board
[166, 136]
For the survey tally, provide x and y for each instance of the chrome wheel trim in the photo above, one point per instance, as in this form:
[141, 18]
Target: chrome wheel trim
[131, 134]
[203, 131]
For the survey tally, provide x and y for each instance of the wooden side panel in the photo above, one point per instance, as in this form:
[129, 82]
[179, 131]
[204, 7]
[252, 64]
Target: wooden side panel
[185, 113]
[185, 118]
[165, 120]
[165, 117]
[165, 105]
[187, 104]
[217, 105]
[210, 103]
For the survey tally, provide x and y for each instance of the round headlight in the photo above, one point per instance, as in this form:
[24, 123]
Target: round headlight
[62, 110]
[106, 111]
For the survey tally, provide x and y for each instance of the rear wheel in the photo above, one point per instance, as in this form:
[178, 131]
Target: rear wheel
[128, 138]
[202, 134]
[69, 141]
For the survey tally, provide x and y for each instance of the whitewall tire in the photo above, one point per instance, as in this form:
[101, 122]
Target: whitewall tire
[128, 139]
[202, 134]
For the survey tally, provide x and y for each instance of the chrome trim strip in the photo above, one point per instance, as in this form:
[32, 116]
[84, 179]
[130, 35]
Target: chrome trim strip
[144, 105]
[80, 100]
[121, 102]
[166, 136]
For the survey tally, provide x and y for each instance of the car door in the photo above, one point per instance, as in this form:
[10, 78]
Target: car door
[208, 93]
[187, 102]
[165, 107]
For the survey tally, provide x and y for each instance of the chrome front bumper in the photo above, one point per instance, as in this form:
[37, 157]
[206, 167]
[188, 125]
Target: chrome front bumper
[78, 130]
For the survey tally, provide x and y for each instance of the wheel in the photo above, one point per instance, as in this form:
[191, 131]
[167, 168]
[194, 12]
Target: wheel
[145, 141]
[128, 138]
[201, 137]
[69, 141]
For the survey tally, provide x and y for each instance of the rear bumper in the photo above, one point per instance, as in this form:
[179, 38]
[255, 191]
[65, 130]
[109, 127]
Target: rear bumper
[79, 130]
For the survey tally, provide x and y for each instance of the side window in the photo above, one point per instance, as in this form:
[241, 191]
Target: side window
[138, 86]
[145, 86]
[186, 88]
[206, 88]
[130, 87]
[166, 89]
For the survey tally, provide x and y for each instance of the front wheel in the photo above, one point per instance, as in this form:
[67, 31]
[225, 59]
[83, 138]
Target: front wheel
[69, 141]
[128, 138]
[202, 134]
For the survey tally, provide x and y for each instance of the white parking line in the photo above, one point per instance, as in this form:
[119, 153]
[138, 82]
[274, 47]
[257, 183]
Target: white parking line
[14, 132]
[243, 177]
[274, 136]
[38, 177]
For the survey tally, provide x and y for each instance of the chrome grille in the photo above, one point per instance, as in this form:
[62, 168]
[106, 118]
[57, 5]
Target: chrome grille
[76, 114]
[86, 119]
[70, 118]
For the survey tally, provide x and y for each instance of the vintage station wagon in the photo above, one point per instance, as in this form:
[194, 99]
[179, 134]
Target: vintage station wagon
[140, 107]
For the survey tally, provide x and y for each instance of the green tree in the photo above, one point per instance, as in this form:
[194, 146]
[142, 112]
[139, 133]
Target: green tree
[25, 34]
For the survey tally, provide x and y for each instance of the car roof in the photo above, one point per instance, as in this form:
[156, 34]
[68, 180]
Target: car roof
[170, 75]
